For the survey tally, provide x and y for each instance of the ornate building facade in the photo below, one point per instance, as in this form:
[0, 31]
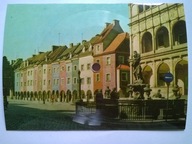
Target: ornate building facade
[158, 33]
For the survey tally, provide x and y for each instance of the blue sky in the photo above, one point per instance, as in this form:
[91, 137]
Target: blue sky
[30, 28]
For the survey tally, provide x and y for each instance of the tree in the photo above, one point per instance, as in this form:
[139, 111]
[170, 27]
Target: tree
[8, 77]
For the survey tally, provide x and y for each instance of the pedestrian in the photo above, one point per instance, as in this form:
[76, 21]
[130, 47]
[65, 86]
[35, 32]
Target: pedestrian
[99, 101]
[52, 98]
[158, 94]
[107, 92]
[114, 94]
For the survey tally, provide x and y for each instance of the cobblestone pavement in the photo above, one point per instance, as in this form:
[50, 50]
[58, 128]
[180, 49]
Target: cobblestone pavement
[34, 115]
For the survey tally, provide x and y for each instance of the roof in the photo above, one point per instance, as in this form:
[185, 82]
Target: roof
[116, 43]
[123, 67]
[56, 52]
[104, 34]
[68, 51]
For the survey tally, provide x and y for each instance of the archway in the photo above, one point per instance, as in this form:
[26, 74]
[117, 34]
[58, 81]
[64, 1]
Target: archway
[62, 96]
[57, 95]
[49, 95]
[89, 94]
[147, 42]
[22, 95]
[74, 95]
[181, 76]
[35, 95]
[162, 39]
[179, 33]
[163, 68]
[82, 94]
[147, 73]
[68, 96]
[31, 95]
[44, 96]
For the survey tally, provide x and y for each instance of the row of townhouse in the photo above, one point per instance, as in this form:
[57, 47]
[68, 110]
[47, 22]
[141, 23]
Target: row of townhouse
[66, 73]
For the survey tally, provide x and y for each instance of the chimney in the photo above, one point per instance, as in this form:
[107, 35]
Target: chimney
[54, 48]
[107, 24]
[115, 22]
[70, 45]
[83, 42]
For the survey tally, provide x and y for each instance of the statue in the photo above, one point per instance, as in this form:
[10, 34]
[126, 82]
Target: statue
[137, 70]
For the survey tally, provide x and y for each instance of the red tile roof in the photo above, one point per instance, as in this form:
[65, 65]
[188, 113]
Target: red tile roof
[123, 67]
[116, 43]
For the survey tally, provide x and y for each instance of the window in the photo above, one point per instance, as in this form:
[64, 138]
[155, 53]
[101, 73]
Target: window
[121, 59]
[49, 82]
[57, 82]
[147, 42]
[82, 67]
[21, 83]
[88, 66]
[44, 82]
[124, 76]
[54, 70]
[75, 68]
[88, 80]
[140, 8]
[162, 38]
[62, 81]
[82, 81]
[68, 68]
[68, 80]
[97, 47]
[108, 60]
[63, 68]
[44, 71]
[97, 77]
[147, 7]
[28, 73]
[54, 81]
[49, 71]
[108, 77]
[74, 80]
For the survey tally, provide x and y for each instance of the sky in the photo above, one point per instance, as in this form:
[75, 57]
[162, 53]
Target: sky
[31, 28]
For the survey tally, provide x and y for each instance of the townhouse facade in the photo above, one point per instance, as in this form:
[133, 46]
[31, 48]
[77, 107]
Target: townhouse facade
[158, 33]
[66, 74]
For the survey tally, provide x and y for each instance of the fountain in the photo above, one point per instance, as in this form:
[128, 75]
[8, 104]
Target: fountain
[138, 85]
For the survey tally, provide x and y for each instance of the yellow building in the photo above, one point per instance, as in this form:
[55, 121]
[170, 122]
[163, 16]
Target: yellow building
[158, 33]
